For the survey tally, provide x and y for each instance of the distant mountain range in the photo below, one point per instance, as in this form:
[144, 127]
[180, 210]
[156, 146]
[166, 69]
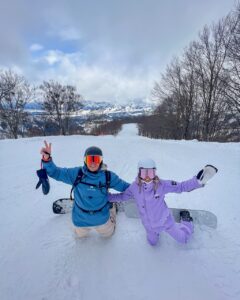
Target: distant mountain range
[135, 107]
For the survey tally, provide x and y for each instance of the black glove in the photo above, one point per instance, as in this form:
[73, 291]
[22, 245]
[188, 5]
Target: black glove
[43, 180]
[206, 173]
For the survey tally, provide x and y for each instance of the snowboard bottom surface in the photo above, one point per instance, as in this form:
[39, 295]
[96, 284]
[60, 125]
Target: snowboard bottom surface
[202, 217]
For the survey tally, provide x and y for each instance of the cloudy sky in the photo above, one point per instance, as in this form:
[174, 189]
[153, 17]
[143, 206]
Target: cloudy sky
[112, 50]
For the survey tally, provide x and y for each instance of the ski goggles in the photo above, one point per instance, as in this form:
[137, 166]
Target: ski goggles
[97, 159]
[144, 173]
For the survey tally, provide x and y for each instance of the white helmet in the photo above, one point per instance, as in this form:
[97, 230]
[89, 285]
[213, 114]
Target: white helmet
[147, 163]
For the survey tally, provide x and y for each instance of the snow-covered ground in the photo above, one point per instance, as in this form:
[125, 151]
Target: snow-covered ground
[41, 259]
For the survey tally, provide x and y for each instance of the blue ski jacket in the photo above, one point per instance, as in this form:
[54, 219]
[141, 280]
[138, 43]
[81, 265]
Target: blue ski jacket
[89, 198]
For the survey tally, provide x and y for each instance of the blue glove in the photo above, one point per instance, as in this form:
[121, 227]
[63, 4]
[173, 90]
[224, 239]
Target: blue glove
[43, 180]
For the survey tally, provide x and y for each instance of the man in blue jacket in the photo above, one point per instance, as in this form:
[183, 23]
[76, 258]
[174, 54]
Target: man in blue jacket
[91, 208]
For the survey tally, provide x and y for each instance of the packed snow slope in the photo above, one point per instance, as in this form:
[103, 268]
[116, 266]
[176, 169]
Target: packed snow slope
[41, 258]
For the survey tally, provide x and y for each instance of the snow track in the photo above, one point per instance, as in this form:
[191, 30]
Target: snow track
[41, 259]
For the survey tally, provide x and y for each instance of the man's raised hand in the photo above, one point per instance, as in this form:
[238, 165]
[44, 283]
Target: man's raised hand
[46, 151]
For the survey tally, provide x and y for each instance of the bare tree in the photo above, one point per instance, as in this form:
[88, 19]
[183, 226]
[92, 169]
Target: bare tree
[233, 90]
[60, 103]
[209, 54]
[178, 86]
[15, 93]
[202, 87]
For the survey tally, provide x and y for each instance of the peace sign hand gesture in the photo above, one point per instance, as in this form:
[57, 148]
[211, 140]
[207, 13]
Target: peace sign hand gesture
[46, 151]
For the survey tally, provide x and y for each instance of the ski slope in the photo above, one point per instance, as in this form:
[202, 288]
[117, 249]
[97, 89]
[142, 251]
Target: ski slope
[41, 258]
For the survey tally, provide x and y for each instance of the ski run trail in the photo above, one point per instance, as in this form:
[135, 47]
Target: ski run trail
[42, 259]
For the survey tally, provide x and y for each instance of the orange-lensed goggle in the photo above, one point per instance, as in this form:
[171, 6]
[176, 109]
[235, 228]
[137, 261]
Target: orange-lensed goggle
[97, 159]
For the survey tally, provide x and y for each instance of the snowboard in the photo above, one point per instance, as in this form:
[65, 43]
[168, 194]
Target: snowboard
[65, 205]
[62, 206]
[201, 217]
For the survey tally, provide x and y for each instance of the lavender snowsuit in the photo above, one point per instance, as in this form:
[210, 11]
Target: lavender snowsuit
[153, 210]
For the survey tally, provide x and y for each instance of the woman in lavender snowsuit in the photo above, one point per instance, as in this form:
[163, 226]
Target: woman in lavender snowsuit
[149, 192]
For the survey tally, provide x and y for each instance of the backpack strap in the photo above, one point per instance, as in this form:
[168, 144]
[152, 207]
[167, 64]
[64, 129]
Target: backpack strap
[108, 179]
[76, 182]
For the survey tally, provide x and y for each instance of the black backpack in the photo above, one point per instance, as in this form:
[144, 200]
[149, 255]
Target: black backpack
[79, 180]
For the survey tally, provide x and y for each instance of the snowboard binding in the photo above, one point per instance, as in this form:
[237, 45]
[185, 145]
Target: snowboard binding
[185, 216]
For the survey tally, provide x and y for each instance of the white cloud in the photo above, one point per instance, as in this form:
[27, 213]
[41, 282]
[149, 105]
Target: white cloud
[96, 82]
[51, 57]
[15, 68]
[36, 47]
[123, 42]
[69, 34]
